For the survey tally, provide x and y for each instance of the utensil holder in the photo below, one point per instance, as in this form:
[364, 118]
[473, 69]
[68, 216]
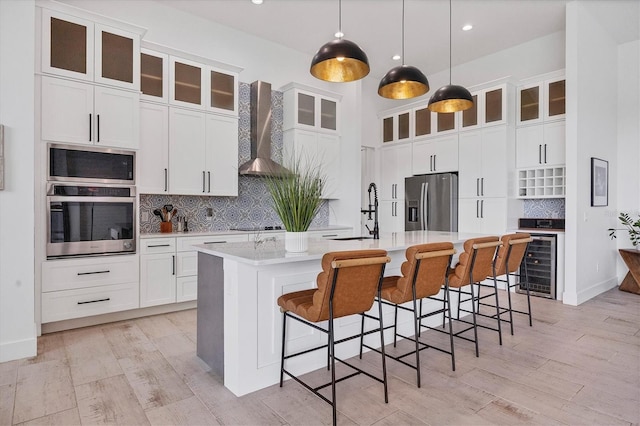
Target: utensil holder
[165, 227]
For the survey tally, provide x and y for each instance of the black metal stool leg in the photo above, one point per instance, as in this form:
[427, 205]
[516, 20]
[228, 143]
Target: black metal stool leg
[475, 325]
[395, 326]
[362, 333]
[495, 292]
[284, 336]
[509, 301]
[416, 335]
[384, 357]
[448, 303]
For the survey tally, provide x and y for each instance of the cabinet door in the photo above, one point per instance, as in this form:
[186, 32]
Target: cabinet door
[494, 106]
[329, 153]
[469, 215]
[554, 106]
[422, 157]
[117, 57]
[470, 164]
[395, 165]
[222, 155]
[154, 76]
[388, 129]
[493, 157]
[67, 111]
[390, 216]
[529, 101]
[554, 143]
[493, 214]
[222, 91]
[157, 279]
[404, 126]
[445, 157]
[117, 118]
[67, 45]
[328, 114]
[153, 155]
[422, 122]
[471, 117]
[187, 154]
[187, 83]
[186, 288]
[529, 141]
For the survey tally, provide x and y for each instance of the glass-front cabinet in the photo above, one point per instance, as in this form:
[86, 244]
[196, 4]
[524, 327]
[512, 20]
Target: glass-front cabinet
[154, 76]
[311, 109]
[541, 101]
[82, 49]
[422, 120]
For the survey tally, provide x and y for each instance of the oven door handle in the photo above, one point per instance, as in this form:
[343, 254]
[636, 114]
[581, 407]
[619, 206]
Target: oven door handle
[85, 199]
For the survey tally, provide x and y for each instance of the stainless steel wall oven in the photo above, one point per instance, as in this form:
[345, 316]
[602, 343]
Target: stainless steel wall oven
[91, 165]
[86, 219]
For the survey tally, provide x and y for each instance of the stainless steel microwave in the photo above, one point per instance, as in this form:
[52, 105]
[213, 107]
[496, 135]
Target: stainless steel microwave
[90, 220]
[88, 164]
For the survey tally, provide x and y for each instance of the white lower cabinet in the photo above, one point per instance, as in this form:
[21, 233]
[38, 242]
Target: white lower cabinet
[74, 288]
[390, 216]
[482, 215]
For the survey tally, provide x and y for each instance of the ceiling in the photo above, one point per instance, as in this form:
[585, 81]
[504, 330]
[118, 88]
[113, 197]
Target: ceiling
[376, 25]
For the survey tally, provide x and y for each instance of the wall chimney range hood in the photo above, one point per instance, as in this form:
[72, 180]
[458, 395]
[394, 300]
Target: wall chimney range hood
[261, 163]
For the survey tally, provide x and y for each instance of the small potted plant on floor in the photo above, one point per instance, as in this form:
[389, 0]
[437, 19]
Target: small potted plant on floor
[296, 195]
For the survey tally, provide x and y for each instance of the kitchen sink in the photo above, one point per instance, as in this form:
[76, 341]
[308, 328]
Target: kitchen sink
[351, 238]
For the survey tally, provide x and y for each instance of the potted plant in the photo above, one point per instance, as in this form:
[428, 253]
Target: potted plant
[633, 227]
[296, 195]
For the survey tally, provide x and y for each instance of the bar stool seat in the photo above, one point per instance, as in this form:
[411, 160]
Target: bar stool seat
[347, 285]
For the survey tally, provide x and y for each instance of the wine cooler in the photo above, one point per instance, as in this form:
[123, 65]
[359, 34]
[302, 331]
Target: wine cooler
[540, 264]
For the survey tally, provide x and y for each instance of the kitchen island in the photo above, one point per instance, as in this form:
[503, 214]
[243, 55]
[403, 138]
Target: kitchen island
[239, 322]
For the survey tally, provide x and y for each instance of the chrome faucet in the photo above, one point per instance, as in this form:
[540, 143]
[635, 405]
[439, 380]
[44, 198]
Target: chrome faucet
[373, 209]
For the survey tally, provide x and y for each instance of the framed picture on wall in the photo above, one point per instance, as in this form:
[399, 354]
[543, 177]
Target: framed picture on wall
[599, 182]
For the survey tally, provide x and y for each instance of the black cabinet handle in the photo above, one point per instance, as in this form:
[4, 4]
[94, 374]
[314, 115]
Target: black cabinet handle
[203, 182]
[539, 154]
[159, 245]
[477, 208]
[98, 127]
[166, 179]
[209, 181]
[173, 265]
[215, 242]
[90, 129]
[94, 301]
[482, 209]
[482, 186]
[434, 163]
[329, 235]
[545, 153]
[93, 273]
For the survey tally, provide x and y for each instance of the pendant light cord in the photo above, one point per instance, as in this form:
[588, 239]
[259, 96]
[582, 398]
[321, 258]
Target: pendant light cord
[449, 42]
[402, 32]
[340, 18]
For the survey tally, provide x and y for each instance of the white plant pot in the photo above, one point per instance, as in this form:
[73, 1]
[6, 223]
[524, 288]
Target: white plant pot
[296, 242]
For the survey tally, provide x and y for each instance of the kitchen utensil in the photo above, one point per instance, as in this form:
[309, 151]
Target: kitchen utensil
[158, 213]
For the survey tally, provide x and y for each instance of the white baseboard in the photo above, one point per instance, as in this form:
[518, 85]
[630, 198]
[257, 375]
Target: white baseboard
[19, 349]
[582, 296]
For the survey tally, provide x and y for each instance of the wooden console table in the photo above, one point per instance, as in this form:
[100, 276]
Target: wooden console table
[631, 281]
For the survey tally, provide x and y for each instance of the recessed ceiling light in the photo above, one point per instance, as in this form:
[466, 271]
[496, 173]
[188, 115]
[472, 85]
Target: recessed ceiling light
[396, 57]
[339, 34]
[256, 1]
[467, 27]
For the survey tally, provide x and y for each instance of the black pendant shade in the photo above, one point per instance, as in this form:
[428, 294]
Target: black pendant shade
[403, 82]
[340, 61]
[450, 98]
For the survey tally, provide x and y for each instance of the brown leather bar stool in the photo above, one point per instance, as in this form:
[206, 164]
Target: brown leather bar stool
[508, 260]
[424, 274]
[348, 285]
[475, 265]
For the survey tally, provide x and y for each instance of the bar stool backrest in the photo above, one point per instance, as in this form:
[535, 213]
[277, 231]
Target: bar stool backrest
[431, 273]
[513, 249]
[482, 265]
[355, 288]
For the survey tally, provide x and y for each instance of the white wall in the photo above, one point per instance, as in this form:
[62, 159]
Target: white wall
[628, 159]
[592, 117]
[17, 324]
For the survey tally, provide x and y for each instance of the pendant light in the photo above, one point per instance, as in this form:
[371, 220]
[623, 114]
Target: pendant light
[450, 98]
[404, 81]
[340, 60]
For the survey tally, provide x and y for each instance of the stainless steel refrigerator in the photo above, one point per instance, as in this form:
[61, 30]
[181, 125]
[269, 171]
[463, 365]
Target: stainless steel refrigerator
[431, 202]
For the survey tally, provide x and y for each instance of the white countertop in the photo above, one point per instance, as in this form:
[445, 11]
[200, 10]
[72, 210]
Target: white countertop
[273, 252]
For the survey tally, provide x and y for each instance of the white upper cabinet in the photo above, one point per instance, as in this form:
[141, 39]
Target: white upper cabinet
[77, 112]
[82, 49]
[541, 101]
[153, 156]
[395, 166]
[154, 76]
[489, 108]
[542, 145]
[437, 155]
[312, 109]
[194, 84]
[483, 163]
[397, 127]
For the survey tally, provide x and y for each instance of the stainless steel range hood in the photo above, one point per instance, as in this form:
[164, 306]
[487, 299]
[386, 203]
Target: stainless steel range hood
[261, 163]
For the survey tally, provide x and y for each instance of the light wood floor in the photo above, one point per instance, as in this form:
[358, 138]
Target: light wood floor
[576, 365]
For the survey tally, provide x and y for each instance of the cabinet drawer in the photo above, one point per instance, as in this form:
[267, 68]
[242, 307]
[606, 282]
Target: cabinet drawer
[67, 304]
[331, 233]
[88, 272]
[186, 243]
[158, 245]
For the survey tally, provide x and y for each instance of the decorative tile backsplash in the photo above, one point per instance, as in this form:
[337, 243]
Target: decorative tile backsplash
[252, 207]
[544, 208]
